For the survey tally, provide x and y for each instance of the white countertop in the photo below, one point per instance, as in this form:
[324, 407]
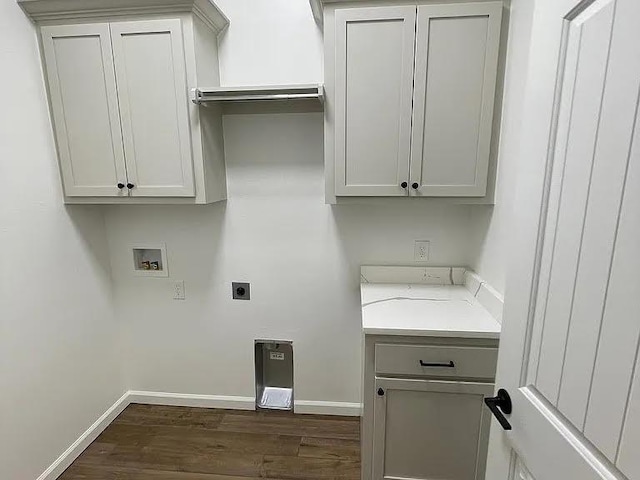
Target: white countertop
[424, 310]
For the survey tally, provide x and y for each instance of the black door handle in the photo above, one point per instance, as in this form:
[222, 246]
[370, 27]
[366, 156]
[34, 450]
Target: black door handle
[449, 364]
[498, 405]
[130, 186]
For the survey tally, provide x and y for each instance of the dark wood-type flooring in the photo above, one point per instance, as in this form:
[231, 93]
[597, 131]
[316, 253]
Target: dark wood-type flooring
[150, 442]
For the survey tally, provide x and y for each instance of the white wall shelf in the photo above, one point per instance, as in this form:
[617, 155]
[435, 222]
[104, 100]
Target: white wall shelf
[201, 96]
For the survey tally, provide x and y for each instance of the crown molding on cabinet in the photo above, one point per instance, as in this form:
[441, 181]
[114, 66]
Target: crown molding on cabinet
[316, 8]
[55, 10]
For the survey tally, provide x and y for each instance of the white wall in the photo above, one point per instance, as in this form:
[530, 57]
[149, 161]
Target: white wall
[301, 256]
[270, 42]
[493, 227]
[59, 366]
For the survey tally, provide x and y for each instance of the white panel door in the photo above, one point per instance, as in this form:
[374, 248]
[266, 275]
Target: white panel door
[455, 79]
[84, 105]
[374, 81]
[569, 350]
[152, 91]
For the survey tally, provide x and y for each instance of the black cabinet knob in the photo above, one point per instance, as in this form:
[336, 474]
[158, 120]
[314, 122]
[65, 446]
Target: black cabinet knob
[130, 186]
[380, 392]
[121, 186]
[403, 184]
[414, 185]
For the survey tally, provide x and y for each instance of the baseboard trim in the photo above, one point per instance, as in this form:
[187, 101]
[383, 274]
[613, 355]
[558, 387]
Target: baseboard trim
[192, 400]
[327, 408]
[77, 447]
[240, 403]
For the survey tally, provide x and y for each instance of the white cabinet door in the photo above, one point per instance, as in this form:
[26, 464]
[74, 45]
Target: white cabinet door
[152, 91]
[430, 429]
[374, 77]
[455, 77]
[84, 105]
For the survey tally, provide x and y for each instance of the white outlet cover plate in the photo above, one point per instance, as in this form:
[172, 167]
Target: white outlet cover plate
[178, 290]
[421, 250]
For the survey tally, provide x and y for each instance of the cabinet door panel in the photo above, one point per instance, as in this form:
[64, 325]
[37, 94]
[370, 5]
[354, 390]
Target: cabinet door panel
[430, 429]
[84, 105]
[456, 65]
[374, 76]
[152, 90]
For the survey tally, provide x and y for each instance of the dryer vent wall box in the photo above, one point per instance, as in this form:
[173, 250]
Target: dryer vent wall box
[274, 374]
[125, 130]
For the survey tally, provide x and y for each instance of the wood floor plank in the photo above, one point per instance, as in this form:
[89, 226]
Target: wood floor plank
[301, 468]
[329, 448]
[131, 435]
[188, 441]
[166, 458]
[292, 425]
[105, 472]
[97, 453]
[225, 464]
[160, 415]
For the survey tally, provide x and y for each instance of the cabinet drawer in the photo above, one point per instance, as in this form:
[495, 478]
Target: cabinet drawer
[436, 361]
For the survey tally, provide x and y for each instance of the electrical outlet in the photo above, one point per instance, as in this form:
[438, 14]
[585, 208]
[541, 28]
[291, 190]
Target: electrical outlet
[241, 290]
[421, 250]
[178, 290]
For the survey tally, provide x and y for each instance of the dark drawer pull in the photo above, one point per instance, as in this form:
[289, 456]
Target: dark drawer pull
[429, 364]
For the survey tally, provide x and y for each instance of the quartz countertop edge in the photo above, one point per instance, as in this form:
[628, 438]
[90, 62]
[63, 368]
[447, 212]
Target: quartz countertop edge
[423, 332]
[431, 302]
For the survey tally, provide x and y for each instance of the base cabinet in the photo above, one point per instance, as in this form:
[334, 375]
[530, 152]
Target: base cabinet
[430, 429]
[424, 415]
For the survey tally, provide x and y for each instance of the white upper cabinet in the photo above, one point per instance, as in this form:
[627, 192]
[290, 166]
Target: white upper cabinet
[152, 92]
[455, 79]
[410, 94]
[374, 78]
[125, 129]
[84, 101]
